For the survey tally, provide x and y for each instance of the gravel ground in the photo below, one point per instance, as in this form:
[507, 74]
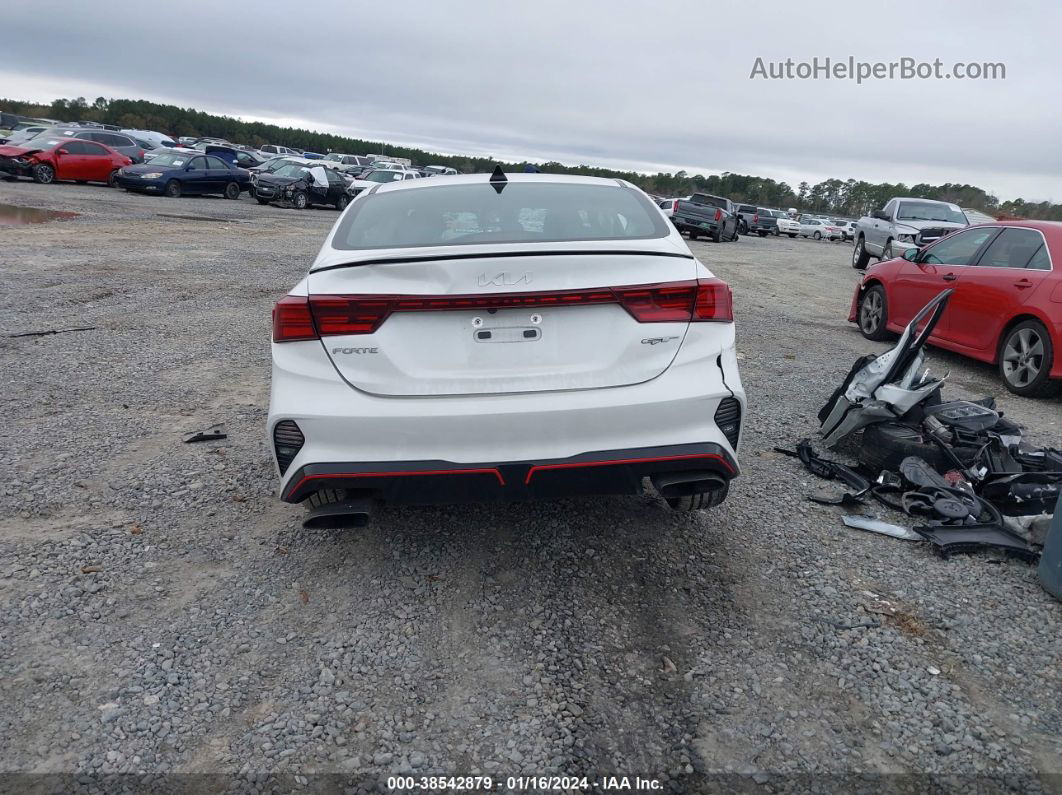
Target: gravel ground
[162, 613]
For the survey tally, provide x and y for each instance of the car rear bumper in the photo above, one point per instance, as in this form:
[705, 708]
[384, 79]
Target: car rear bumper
[557, 431]
[437, 482]
[853, 308]
[693, 223]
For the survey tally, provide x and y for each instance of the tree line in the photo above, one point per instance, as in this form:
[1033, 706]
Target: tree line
[832, 196]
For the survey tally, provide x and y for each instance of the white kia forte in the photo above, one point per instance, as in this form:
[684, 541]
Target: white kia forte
[503, 337]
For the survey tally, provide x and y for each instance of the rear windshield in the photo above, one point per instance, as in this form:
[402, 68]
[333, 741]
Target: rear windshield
[522, 213]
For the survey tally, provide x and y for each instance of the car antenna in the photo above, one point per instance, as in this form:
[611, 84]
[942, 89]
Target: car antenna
[498, 179]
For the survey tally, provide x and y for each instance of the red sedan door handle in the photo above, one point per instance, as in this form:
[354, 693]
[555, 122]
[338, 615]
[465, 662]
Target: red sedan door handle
[950, 277]
[1023, 284]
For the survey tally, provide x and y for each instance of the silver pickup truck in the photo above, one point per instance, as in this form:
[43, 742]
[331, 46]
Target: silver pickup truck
[901, 224]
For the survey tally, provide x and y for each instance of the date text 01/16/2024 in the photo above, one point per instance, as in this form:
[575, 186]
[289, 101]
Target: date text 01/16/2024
[522, 783]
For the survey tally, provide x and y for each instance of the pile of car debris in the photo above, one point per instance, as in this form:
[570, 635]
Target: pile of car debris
[959, 468]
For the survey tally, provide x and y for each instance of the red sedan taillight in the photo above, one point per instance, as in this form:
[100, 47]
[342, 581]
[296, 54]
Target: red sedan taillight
[298, 317]
[292, 320]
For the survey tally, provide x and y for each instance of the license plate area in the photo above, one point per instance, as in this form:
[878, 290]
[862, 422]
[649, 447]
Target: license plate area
[505, 334]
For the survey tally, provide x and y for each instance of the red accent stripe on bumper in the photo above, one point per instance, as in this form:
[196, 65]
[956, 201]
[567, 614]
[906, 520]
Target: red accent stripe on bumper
[578, 464]
[348, 475]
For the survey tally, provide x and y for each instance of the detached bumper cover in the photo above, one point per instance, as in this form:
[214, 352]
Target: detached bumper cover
[439, 482]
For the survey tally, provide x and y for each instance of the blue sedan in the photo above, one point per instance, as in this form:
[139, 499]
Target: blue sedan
[176, 174]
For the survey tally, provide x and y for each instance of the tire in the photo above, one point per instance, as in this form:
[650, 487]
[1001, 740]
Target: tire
[693, 235]
[298, 200]
[173, 189]
[743, 228]
[762, 234]
[860, 258]
[112, 179]
[43, 174]
[1026, 355]
[263, 201]
[817, 235]
[886, 444]
[717, 235]
[886, 250]
[791, 234]
[342, 202]
[232, 191]
[873, 314]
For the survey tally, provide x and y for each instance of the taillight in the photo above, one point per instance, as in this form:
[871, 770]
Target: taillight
[674, 206]
[718, 215]
[661, 303]
[292, 320]
[341, 315]
[755, 218]
[715, 302]
[296, 318]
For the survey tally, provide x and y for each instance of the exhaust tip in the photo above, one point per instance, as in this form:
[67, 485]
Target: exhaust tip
[339, 515]
[684, 484]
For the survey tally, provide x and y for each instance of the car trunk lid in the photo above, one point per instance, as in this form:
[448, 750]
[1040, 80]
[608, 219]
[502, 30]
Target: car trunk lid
[476, 325]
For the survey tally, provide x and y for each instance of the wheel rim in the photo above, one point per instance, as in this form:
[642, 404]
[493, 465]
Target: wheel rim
[47, 174]
[300, 201]
[1023, 357]
[870, 312]
[233, 190]
[857, 252]
[817, 236]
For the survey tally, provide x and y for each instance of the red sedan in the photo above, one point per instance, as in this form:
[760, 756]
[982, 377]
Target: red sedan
[63, 158]
[1007, 305]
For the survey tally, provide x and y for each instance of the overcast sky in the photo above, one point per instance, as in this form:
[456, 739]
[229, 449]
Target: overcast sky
[649, 85]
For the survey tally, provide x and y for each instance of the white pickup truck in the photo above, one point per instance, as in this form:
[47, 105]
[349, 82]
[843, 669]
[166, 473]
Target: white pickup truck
[901, 224]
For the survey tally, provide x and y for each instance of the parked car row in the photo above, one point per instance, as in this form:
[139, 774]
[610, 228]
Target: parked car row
[696, 215]
[200, 166]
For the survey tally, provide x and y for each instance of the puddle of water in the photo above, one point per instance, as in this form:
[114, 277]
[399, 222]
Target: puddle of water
[12, 215]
